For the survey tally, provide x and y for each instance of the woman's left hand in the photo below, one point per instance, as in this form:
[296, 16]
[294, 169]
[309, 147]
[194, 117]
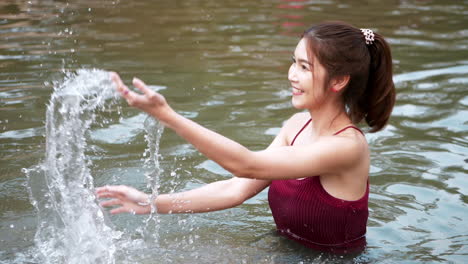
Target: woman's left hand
[130, 200]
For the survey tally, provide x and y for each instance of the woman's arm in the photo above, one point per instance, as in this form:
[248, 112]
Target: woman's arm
[211, 197]
[227, 153]
[218, 195]
[327, 156]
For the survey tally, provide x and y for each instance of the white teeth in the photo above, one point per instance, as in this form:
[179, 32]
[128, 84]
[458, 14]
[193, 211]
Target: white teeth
[294, 88]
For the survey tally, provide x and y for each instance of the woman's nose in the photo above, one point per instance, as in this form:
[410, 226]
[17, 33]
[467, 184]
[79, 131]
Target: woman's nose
[292, 77]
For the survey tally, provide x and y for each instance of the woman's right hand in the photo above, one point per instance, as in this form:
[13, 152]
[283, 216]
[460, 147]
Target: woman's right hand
[150, 101]
[129, 199]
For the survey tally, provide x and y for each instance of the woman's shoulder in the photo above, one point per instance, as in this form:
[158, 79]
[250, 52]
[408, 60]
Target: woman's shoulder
[298, 119]
[294, 124]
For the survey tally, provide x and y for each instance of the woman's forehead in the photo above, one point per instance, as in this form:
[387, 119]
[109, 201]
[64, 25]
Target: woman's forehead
[302, 50]
[301, 46]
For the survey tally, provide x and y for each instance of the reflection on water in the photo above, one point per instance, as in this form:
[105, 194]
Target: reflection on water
[224, 64]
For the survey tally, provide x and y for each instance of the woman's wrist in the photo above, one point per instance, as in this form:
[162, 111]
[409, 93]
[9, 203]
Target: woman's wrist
[146, 203]
[164, 114]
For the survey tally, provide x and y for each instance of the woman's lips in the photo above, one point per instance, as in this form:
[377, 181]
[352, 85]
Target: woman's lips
[297, 91]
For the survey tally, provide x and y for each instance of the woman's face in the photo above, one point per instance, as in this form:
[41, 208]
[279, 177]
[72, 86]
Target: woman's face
[307, 79]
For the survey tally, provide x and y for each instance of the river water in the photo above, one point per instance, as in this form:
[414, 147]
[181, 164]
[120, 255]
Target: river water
[224, 64]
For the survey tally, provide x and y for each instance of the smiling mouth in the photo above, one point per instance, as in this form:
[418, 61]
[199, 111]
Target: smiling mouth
[297, 91]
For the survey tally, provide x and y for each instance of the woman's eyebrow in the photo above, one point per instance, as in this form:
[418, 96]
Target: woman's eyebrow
[303, 61]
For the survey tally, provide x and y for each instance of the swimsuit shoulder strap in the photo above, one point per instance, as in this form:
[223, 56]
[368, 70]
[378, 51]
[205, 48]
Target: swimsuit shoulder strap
[343, 129]
[336, 133]
[301, 131]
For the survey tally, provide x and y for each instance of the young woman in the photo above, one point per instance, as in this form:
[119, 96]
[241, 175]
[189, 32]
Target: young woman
[317, 167]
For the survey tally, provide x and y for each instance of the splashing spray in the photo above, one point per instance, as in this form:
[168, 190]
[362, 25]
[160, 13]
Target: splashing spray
[71, 225]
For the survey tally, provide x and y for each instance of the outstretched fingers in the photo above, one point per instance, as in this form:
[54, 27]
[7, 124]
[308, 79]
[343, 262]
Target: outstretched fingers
[112, 202]
[123, 90]
[147, 100]
[121, 87]
[120, 210]
[110, 192]
[127, 199]
[142, 86]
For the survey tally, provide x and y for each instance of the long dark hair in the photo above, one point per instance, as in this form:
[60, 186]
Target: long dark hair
[342, 50]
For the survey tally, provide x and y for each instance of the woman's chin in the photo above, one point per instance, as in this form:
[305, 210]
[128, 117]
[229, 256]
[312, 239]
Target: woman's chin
[297, 104]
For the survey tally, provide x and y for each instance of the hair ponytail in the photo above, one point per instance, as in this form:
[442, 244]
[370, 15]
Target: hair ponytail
[345, 50]
[379, 96]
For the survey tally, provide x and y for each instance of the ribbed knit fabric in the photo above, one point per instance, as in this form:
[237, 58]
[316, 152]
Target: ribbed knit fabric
[305, 212]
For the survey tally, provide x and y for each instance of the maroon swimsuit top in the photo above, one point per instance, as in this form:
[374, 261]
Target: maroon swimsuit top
[305, 212]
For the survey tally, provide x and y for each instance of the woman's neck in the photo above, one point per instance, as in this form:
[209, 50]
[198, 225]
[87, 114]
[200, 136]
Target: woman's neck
[329, 118]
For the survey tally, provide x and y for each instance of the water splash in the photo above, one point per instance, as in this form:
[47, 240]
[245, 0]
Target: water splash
[154, 130]
[71, 226]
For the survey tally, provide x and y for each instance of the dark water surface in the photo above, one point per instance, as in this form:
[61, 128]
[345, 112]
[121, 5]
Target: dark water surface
[224, 64]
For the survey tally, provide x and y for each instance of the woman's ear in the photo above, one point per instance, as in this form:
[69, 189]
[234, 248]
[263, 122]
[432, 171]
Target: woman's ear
[338, 83]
